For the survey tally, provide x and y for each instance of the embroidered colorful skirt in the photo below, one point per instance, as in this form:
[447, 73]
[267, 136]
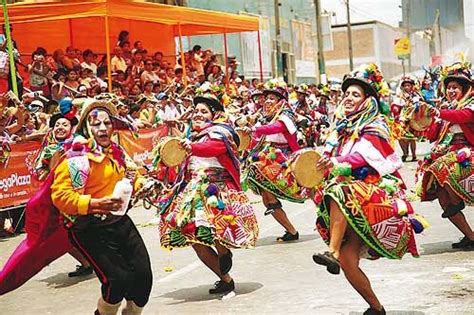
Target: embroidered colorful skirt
[205, 209]
[269, 171]
[408, 134]
[454, 169]
[382, 220]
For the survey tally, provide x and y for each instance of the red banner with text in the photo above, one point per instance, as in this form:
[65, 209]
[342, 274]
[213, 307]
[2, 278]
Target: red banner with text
[139, 149]
[17, 180]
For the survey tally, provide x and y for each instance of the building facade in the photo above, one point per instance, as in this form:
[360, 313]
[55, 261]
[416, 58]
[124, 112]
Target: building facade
[448, 24]
[298, 46]
[373, 41]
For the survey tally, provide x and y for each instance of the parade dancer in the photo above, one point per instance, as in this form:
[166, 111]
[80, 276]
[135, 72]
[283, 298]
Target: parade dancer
[82, 191]
[447, 173]
[304, 120]
[429, 89]
[274, 143]
[207, 209]
[315, 117]
[362, 209]
[408, 102]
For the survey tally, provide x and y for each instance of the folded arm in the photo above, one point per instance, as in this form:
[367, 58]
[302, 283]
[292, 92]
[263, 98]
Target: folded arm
[276, 127]
[209, 148]
[457, 116]
[356, 160]
[64, 196]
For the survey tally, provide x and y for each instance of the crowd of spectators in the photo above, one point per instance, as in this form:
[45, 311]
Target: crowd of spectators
[149, 88]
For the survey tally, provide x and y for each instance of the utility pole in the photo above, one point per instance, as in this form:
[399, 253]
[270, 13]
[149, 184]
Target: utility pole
[322, 66]
[438, 22]
[11, 57]
[279, 61]
[349, 36]
[408, 33]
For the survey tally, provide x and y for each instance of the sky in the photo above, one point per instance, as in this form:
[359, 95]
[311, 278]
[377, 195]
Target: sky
[387, 11]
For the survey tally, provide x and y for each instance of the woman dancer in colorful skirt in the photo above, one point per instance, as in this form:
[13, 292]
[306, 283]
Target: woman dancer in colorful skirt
[447, 173]
[268, 174]
[208, 209]
[409, 101]
[362, 210]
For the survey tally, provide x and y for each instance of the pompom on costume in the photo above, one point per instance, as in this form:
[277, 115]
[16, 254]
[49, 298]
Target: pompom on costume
[364, 182]
[450, 162]
[269, 159]
[207, 203]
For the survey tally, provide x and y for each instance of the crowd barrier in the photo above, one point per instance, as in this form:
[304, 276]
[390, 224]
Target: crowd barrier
[18, 182]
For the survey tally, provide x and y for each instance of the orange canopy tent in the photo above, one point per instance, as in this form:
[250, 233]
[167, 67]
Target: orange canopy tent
[82, 24]
[95, 24]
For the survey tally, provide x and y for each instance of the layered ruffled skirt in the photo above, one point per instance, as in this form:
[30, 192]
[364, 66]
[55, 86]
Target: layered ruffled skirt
[205, 209]
[384, 221]
[270, 171]
[450, 164]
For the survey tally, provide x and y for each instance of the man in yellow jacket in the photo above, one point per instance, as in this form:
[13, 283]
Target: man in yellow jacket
[83, 192]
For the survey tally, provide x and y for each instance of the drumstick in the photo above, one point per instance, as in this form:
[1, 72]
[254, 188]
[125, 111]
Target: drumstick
[185, 90]
[44, 99]
[169, 87]
[67, 87]
[262, 139]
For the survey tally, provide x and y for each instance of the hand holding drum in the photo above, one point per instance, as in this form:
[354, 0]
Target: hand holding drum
[173, 151]
[245, 137]
[433, 111]
[309, 167]
[422, 118]
[324, 163]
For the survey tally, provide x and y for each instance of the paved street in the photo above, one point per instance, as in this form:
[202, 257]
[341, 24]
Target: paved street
[272, 278]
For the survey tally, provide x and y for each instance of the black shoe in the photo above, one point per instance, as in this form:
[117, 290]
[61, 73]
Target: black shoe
[225, 263]
[464, 243]
[373, 311]
[269, 211]
[288, 237]
[327, 259]
[81, 271]
[404, 158]
[414, 159]
[222, 287]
